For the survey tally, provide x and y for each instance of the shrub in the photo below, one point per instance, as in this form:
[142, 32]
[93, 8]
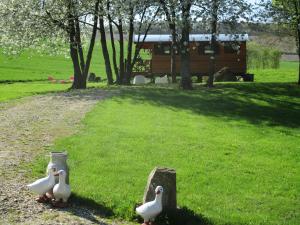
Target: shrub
[260, 57]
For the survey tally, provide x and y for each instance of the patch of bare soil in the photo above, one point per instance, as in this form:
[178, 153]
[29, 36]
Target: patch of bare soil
[27, 128]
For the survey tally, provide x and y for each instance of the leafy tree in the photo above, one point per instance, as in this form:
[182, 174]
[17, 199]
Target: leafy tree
[170, 10]
[182, 15]
[26, 29]
[48, 23]
[212, 13]
[178, 16]
[136, 17]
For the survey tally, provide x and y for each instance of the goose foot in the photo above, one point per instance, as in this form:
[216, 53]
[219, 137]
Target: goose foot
[59, 204]
[49, 194]
[146, 223]
[42, 199]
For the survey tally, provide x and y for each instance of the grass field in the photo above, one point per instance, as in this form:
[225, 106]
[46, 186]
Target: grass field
[28, 73]
[235, 148]
[35, 67]
[288, 72]
[31, 66]
[17, 90]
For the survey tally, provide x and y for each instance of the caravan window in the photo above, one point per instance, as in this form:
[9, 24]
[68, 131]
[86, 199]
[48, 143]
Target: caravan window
[205, 48]
[162, 49]
[231, 47]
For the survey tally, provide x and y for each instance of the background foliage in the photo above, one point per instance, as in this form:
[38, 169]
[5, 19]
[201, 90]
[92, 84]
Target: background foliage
[260, 57]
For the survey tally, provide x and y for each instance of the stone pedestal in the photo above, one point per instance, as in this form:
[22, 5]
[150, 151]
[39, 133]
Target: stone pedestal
[58, 160]
[166, 178]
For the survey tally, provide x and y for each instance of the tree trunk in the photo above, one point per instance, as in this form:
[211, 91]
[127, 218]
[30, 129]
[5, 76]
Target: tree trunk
[79, 44]
[213, 46]
[79, 82]
[174, 44]
[298, 52]
[298, 68]
[121, 57]
[129, 49]
[92, 42]
[212, 62]
[186, 82]
[171, 16]
[173, 54]
[105, 52]
[114, 54]
[112, 40]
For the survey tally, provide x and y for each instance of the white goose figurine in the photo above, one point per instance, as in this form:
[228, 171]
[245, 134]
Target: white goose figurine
[43, 185]
[61, 191]
[150, 210]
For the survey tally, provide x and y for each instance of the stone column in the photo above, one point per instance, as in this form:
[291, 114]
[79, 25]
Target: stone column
[166, 178]
[58, 160]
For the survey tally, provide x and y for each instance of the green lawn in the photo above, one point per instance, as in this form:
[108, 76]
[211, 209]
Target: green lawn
[288, 72]
[30, 66]
[236, 150]
[33, 70]
[18, 90]
[9, 91]
[33, 67]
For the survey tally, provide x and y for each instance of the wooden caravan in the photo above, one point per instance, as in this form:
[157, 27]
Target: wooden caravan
[231, 53]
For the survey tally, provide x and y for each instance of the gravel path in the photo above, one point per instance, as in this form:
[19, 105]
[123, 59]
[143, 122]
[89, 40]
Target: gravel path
[27, 128]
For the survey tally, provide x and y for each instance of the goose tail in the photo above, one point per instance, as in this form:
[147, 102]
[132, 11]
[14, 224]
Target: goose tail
[138, 210]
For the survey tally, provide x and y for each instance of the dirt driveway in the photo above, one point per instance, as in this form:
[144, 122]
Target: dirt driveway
[27, 128]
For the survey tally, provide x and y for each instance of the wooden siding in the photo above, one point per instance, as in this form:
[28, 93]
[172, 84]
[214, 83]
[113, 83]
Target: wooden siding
[199, 64]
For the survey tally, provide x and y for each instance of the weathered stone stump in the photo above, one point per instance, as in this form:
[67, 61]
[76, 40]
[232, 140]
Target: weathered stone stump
[166, 178]
[224, 74]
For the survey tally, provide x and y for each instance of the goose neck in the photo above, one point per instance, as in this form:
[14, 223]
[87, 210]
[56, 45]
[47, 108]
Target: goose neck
[158, 198]
[62, 180]
[51, 176]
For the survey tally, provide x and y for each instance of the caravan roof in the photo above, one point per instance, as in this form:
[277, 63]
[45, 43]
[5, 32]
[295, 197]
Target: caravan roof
[193, 37]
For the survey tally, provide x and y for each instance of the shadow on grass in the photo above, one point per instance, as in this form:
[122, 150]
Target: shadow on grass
[87, 209]
[183, 216]
[273, 104]
[20, 81]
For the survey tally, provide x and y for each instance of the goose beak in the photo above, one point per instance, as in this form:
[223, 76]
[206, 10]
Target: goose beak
[158, 192]
[56, 174]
